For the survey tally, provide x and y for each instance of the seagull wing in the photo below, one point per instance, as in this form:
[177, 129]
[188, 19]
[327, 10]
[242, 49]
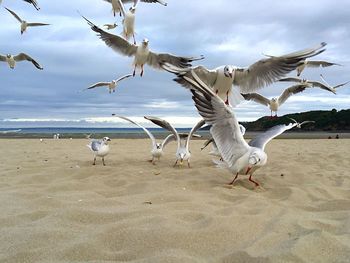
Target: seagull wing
[207, 76]
[95, 145]
[341, 85]
[257, 98]
[37, 24]
[266, 71]
[321, 86]
[33, 2]
[99, 84]
[145, 1]
[319, 63]
[23, 56]
[225, 128]
[168, 139]
[150, 135]
[261, 140]
[291, 79]
[193, 130]
[115, 42]
[15, 15]
[164, 124]
[2, 58]
[290, 91]
[123, 77]
[156, 60]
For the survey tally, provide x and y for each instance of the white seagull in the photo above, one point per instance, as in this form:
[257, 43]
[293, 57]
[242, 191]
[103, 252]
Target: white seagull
[182, 153]
[11, 60]
[275, 103]
[318, 84]
[142, 55]
[239, 156]
[99, 148]
[157, 150]
[314, 64]
[128, 22]
[117, 9]
[24, 24]
[258, 75]
[34, 3]
[110, 26]
[111, 85]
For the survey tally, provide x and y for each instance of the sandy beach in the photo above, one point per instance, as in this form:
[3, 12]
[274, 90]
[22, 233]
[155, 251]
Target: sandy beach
[57, 207]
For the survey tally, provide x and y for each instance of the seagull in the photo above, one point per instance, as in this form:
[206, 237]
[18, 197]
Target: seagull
[110, 26]
[314, 83]
[116, 5]
[100, 148]
[111, 85]
[258, 75]
[314, 64]
[182, 153]
[128, 21]
[142, 55]
[24, 24]
[157, 148]
[275, 103]
[34, 3]
[11, 60]
[238, 156]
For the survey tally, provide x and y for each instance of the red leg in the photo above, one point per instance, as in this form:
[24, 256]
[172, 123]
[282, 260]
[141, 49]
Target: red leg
[141, 70]
[250, 179]
[216, 92]
[133, 74]
[134, 38]
[226, 101]
[234, 179]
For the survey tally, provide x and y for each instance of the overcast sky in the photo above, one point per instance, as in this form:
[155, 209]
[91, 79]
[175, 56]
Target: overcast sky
[235, 32]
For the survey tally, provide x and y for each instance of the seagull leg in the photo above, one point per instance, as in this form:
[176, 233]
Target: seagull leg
[133, 36]
[188, 163]
[250, 179]
[134, 72]
[94, 161]
[234, 179]
[141, 74]
[103, 161]
[175, 163]
[226, 101]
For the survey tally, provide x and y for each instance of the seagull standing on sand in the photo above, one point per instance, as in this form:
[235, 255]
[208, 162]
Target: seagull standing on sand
[157, 148]
[258, 75]
[24, 24]
[275, 103]
[99, 148]
[142, 55]
[34, 3]
[111, 85]
[11, 60]
[318, 84]
[314, 64]
[182, 153]
[238, 156]
[116, 4]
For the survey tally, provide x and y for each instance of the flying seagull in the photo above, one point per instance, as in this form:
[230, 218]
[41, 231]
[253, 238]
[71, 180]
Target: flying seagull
[128, 22]
[238, 156]
[11, 60]
[34, 3]
[314, 83]
[111, 85]
[182, 153]
[142, 55]
[157, 150]
[275, 103]
[117, 9]
[258, 75]
[110, 26]
[314, 64]
[24, 24]
[99, 148]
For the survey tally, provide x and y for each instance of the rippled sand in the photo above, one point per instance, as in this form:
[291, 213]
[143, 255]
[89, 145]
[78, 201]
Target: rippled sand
[57, 207]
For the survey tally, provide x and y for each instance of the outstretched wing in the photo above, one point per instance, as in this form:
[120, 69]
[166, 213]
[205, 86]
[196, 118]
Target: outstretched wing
[115, 42]
[34, 3]
[207, 76]
[257, 98]
[291, 79]
[168, 139]
[156, 60]
[23, 56]
[150, 135]
[261, 140]
[98, 84]
[193, 130]
[14, 14]
[320, 63]
[2, 58]
[145, 1]
[290, 91]
[266, 71]
[123, 77]
[225, 128]
[37, 24]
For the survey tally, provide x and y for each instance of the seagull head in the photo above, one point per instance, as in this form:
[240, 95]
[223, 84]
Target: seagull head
[256, 158]
[158, 145]
[106, 140]
[228, 71]
[132, 9]
[274, 99]
[145, 42]
[8, 55]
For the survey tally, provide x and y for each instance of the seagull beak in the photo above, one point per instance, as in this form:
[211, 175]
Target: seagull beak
[248, 170]
[181, 161]
[109, 140]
